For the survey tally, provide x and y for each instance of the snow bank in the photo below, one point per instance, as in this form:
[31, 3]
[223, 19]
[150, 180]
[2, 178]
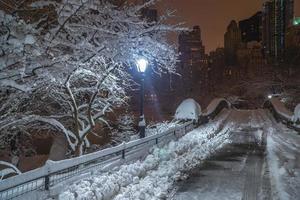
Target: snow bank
[153, 177]
[161, 127]
[188, 109]
[283, 156]
[296, 116]
[281, 109]
[213, 105]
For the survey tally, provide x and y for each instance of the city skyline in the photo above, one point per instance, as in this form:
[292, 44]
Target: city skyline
[213, 16]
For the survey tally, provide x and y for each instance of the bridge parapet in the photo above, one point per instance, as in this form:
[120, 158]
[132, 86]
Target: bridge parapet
[281, 113]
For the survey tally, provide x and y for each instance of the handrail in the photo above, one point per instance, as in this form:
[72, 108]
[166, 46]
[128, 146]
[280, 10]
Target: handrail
[57, 171]
[42, 177]
[215, 104]
[281, 113]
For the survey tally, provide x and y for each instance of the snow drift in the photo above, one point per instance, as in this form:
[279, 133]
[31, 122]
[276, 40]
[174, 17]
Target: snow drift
[154, 176]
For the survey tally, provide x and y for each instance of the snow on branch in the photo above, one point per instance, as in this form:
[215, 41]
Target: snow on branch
[68, 78]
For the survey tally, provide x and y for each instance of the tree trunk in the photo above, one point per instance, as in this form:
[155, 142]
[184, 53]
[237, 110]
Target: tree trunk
[59, 148]
[79, 148]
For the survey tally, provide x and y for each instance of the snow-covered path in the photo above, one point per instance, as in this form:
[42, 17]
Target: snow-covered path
[155, 176]
[239, 155]
[261, 162]
[234, 172]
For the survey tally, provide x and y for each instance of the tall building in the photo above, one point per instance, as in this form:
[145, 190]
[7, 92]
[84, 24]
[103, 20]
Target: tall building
[251, 28]
[292, 44]
[250, 59]
[192, 57]
[292, 38]
[216, 66]
[190, 47]
[277, 17]
[232, 40]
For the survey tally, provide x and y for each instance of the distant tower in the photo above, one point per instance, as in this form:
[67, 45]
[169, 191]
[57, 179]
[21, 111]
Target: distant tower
[232, 40]
[251, 28]
[190, 47]
[277, 17]
[192, 54]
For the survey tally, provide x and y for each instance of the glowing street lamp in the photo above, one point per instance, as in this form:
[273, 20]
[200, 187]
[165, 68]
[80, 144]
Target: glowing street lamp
[142, 65]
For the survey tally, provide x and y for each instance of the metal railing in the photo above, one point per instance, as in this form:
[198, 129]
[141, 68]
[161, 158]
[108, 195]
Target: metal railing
[55, 172]
[281, 114]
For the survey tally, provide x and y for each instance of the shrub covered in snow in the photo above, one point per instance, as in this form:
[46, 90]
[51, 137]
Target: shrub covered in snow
[157, 128]
[188, 109]
[126, 122]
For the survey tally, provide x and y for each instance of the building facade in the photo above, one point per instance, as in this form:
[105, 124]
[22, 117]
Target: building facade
[251, 59]
[251, 28]
[232, 40]
[192, 57]
[292, 44]
[277, 17]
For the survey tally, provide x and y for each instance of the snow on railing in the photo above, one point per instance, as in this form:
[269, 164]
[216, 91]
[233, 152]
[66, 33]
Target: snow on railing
[55, 172]
[215, 106]
[281, 113]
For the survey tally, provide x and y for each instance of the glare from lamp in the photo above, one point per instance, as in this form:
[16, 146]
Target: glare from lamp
[269, 96]
[142, 65]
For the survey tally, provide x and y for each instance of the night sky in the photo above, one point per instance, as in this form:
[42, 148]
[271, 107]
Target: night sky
[213, 16]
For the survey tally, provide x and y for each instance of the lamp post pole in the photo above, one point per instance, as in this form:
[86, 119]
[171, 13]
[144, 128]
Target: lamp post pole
[142, 122]
[142, 67]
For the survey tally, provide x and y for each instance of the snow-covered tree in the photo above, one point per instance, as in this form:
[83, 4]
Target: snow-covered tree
[68, 79]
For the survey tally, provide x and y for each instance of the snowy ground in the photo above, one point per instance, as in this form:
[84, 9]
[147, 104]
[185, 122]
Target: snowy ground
[233, 172]
[284, 161]
[154, 177]
[261, 162]
[239, 155]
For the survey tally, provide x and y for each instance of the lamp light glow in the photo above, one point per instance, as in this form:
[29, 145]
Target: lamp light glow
[142, 65]
[269, 96]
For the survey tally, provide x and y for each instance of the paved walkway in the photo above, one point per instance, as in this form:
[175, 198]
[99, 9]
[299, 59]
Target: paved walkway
[237, 171]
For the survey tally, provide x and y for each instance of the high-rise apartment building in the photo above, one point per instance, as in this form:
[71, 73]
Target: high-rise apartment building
[251, 28]
[277, 17]
[192, 58]
[232, 40]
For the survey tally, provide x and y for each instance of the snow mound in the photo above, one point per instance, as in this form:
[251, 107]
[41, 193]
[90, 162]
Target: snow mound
[188, 109]
[214, 104]
[296, 116]
[155, 176]
[281, 109]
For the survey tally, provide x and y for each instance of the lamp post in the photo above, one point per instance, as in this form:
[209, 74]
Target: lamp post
[142, 65]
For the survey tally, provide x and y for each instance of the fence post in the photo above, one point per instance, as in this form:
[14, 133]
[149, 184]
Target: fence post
[47, 177]
[123, 151]
[47, 182]
[123, 154]
[156, 140]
